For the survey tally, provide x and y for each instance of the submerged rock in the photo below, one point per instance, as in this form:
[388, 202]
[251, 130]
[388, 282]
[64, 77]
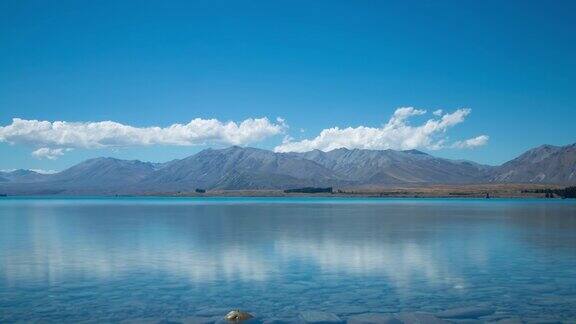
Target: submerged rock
[466, 312]
[237, 316]
[509, 321]
[141, 320]
[419, 318]
[206, 312]
[373, 318]
[284, 321]
[320, 317]
[351, 310]
[199, 320]
[541, 321]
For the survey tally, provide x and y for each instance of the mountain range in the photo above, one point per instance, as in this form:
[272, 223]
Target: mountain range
[237, 168]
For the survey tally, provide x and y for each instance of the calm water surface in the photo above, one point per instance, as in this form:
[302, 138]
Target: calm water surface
[70, 260]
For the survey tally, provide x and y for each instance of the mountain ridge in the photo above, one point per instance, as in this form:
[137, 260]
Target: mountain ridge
[247, 168]
[542, 164]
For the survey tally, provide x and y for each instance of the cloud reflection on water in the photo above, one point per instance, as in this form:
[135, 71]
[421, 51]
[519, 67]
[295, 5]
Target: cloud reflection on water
[50, 244]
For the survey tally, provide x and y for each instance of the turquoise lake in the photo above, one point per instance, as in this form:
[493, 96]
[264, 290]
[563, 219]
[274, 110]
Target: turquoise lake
[192, 259]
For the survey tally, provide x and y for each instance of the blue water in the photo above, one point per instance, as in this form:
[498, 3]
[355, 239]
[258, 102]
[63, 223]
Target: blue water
[190, 259]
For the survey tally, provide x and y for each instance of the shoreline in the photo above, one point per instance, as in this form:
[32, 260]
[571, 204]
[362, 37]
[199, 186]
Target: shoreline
[482, 191]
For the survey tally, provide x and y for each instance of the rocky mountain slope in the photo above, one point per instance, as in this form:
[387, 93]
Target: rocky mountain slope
[543, 164]
[238, 168]
[22, 176]
[396, 167]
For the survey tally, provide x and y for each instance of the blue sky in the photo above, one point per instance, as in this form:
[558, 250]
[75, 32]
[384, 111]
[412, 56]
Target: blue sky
[316, 64]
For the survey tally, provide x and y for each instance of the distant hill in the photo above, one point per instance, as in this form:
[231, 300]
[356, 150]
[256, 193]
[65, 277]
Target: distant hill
[237, 168]
[543, 164]
[94, 176]
[395, 167]
[104, 172]
[22, 176]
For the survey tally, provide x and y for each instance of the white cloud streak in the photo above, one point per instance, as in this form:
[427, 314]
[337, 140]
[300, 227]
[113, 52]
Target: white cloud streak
[52, 139]
[472, 142]
[41, 171]
[48, 153]
[397, 133]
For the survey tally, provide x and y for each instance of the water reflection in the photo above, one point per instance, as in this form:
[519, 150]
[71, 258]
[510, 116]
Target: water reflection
[418, 255]
[210, 243]
[51, 247]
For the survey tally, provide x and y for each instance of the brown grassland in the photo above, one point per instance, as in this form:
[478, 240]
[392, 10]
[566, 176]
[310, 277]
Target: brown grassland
[420, 191]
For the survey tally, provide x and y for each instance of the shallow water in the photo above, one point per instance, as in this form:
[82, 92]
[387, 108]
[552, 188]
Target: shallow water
[77, 259]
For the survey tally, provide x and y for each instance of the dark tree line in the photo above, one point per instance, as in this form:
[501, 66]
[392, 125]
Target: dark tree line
[309, 190]
[568, 192]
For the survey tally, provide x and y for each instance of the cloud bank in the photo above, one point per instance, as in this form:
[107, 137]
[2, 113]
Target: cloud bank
[41, 171]
[397, 134]
[48, 153]
[53, 139]
[472, 142]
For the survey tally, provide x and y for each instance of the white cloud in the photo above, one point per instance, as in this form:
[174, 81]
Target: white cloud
[48, 153]
[42, 171]
[472, 142]
[53, 138]
[397, 133]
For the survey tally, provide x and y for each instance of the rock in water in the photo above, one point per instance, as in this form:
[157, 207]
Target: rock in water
[419, 318]
[320, 317]
[373, 318]
[237, 316]
[209, 312]
[466, 312]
